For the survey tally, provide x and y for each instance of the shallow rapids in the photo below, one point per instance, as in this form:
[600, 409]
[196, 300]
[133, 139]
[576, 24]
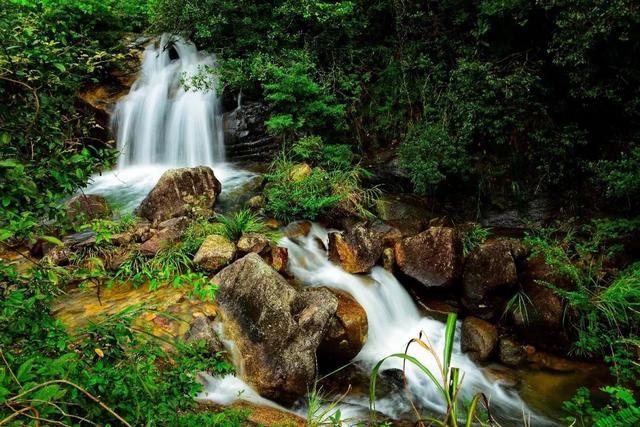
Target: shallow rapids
[393, 320]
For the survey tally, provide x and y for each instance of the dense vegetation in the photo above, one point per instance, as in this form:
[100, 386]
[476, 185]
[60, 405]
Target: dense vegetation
[505, 99]
[496, 100]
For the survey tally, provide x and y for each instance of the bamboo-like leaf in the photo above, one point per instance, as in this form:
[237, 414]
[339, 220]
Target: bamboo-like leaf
[450, 332]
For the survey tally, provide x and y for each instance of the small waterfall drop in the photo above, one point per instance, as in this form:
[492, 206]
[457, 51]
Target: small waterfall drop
[162, 122]
[393, 320]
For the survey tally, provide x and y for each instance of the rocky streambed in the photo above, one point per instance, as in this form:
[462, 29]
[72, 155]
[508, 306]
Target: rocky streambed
[289, 312]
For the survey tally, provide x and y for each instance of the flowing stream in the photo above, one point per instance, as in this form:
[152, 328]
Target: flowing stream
[161, 124]
[393, 320]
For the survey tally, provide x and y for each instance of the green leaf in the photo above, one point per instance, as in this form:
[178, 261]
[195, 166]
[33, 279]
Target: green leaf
[60, 67]
[53, 240]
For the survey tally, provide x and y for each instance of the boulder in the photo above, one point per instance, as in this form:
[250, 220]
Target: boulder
[489, 272]
[169, 232]
[433, 257]
[297, 229]
[510, 352]
[215, 252]
[542, 322]
[202, 329]
[478, 338]
[277, 329]
[253, 242]
[346, 332]
[84, 207]
[256, 202]
[405, 212]
[362, 245]
[181, 192]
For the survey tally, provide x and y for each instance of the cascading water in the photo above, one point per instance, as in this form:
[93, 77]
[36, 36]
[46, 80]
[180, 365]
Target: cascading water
[393, 320]
[162, 124]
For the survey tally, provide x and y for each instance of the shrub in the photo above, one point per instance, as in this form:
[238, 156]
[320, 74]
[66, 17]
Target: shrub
[244, 221]
[431, 155]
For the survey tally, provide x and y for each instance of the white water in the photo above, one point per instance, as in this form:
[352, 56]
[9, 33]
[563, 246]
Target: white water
[393, 320]
[161, 125]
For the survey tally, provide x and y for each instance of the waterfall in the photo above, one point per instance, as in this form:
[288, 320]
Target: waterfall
[160, 122]
[393, 320]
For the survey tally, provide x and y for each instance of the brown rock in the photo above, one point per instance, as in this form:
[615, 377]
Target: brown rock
[360, 248]
[202, 329]
[179, 192]
[488, 272]
[253, 242]
[511, 353]
[279, 258]
[297, 229]
[478, 338]
[277, 329]
[169, 232]
[433, 257]
[84, 207]
[215, 252]
[346, 332]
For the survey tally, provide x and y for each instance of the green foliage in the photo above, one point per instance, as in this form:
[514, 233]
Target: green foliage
[316, 194]
[473, 238]
[243, 221]
[448, 385]
[621, 410]
[50, 49]
[622, 176]
[108, 372]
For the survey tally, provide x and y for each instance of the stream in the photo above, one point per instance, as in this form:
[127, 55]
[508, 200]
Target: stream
[161, 125]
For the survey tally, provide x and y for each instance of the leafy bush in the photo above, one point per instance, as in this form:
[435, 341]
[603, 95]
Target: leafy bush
[431, 155]
[473, 238]
[621, 410]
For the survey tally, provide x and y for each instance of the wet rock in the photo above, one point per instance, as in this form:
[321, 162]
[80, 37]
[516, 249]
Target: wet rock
[256, 202]
[388, 259]
[297, 229]
[234, 200]
[122, 239]
[169, 232]
[510, 352]
[362, 245]
[245, 134]
[277, 329]
[478, 338]
[346, 332]
[142, 231]
[181, 192]
[279, 258]
[536, 211]
[215, 252]
[253, 242]
[433, 257]
[489, 270]
[85, 207]
[202, 329]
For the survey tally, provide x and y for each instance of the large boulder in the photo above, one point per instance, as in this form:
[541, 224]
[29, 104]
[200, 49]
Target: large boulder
[346, 332]
[85, 207]
[478, 338]
[277, 329]
[542, 320]
[362, 245]
[489, 272]
[181, 192]
[433, 257]
[215, 252]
